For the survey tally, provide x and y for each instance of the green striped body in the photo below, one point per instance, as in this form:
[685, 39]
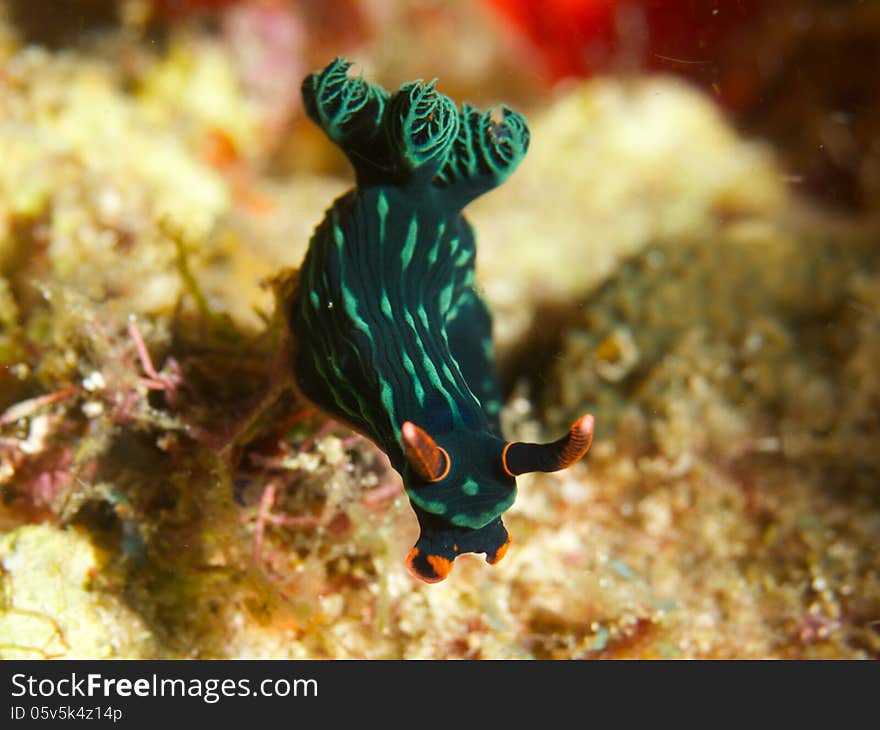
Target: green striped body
[381, 285]
[387, 323]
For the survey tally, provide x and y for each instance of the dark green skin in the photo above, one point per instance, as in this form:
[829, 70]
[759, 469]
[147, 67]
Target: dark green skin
[388, 325]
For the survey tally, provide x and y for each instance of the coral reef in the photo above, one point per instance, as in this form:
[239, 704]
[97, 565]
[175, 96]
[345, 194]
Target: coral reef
[54, 604]
[731, 378]
[605, 189]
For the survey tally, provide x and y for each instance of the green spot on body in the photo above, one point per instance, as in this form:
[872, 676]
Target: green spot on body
[470, 487]
[315, 299]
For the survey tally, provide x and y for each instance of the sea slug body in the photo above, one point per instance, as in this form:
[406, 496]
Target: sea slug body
[391, 337]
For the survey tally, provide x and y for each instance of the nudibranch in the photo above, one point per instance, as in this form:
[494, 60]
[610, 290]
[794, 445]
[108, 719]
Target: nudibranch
[390, 334]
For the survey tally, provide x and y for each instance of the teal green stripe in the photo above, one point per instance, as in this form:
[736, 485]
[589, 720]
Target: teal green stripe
[434, 254]
[446, 298]
[477, 521]
[388, 398]
[431, 370]
[317, 356]
[423, 317]
[409, 246]
[382, 210]
[434, 506]
[414, 377]
[326, 355]
[351, 308]
[386, 306]
[350, 305]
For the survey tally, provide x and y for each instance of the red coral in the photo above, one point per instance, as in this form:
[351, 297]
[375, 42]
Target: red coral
[581, 37]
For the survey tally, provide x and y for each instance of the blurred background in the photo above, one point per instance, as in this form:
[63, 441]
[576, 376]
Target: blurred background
[797, 73]
[690, 251]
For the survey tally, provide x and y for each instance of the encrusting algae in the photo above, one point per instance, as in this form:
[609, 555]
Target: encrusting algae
[723, 337]
[49, 606]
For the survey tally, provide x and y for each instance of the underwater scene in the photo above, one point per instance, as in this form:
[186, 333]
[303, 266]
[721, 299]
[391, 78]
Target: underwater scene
[422, 329]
